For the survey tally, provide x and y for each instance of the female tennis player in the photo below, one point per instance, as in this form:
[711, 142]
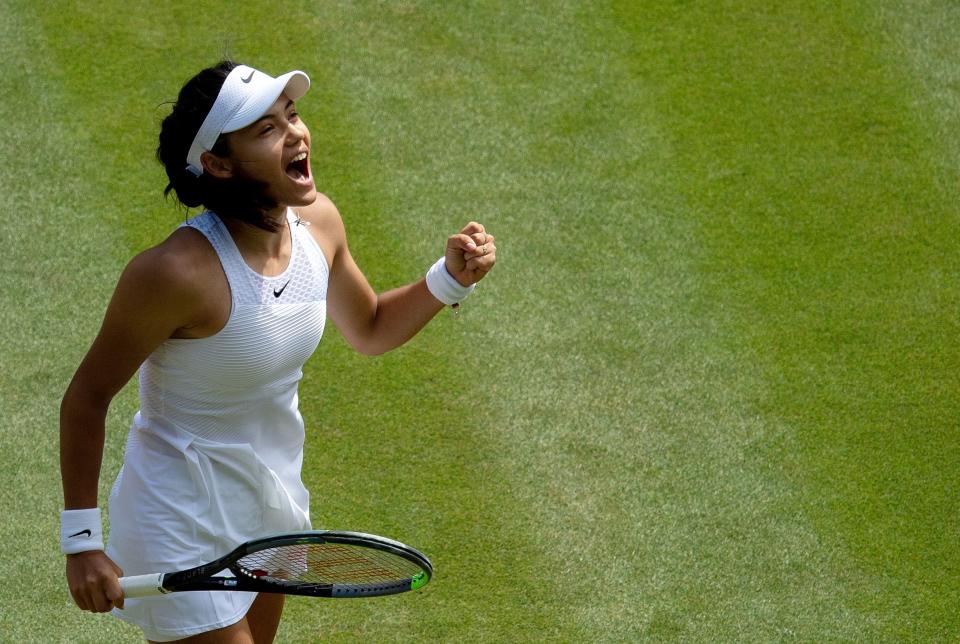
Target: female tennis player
[219, 319]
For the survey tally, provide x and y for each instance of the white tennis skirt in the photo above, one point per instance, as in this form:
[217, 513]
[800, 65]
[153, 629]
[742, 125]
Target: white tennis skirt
[179, 502]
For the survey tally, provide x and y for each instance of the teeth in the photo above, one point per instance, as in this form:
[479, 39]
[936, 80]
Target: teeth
[299, 157]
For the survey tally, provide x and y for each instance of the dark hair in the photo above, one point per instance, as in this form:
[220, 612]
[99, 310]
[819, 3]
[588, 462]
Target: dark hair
[241, 199]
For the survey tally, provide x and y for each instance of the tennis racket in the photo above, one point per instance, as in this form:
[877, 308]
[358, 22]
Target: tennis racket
[317, 564]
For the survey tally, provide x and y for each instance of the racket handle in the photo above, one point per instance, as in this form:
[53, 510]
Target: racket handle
[143, 585]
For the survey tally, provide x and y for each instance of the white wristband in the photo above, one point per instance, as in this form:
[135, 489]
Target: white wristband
[442, 285]
[80, 531]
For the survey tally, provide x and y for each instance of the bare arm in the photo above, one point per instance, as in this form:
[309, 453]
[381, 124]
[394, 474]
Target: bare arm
[371, 323]
[374, 324]
[149, 305]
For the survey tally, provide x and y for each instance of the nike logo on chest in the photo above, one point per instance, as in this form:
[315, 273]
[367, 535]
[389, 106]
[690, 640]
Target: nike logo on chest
[278, 293]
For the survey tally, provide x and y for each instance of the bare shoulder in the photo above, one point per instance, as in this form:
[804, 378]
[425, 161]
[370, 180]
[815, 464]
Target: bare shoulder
[326, 225]
[180, 277]
[161, 294]
[322, 212]
[179, 263]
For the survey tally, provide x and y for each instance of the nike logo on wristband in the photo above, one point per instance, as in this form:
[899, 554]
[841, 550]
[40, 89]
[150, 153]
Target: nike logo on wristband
[277, 293]
[81, 534]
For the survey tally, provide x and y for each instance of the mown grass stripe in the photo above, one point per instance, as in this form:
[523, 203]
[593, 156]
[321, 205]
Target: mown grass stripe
[415, 108]
[57, 268]
[627, 427]
[815, 181]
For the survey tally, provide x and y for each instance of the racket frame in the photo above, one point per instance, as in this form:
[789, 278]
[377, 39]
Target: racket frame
[203, 577]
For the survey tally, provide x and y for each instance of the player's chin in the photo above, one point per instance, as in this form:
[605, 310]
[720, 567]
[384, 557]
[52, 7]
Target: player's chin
[307, 198]
[300, 195]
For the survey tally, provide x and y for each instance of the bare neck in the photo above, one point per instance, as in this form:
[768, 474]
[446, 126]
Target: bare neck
[265, 251]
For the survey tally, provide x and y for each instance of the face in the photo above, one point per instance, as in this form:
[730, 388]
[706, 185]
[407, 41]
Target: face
[275, 150]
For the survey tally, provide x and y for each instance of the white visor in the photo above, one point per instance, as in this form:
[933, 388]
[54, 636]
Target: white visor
[245, 96]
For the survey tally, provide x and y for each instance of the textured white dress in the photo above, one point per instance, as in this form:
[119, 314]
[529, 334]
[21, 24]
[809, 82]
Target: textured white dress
[214, 455]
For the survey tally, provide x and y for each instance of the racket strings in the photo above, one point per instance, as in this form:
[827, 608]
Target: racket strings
[328, 563]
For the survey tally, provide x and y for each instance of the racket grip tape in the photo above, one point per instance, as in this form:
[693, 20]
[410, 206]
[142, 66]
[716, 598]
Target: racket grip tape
[143, 585]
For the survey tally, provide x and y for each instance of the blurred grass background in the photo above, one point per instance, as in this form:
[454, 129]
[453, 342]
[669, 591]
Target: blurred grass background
[710, 391]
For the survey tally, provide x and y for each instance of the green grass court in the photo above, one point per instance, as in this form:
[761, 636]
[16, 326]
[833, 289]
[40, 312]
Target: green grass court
[710, 393]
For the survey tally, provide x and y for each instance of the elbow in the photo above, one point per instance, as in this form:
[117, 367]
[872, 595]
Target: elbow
[368, 341]
[370, 344]
[371, 348]
[81, 400]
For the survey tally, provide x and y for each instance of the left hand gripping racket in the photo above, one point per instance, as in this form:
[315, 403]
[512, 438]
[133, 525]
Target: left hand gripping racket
[317, 564]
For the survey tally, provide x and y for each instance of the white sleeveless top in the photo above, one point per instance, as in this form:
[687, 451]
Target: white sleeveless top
[214, 455]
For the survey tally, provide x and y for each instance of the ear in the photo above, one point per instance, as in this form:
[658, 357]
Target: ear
[218, 167]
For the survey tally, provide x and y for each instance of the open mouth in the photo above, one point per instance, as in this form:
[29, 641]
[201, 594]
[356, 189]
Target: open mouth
[299, 168]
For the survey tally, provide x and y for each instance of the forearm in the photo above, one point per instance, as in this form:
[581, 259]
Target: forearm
[82, 421]
[400, 314]
[374, 324]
